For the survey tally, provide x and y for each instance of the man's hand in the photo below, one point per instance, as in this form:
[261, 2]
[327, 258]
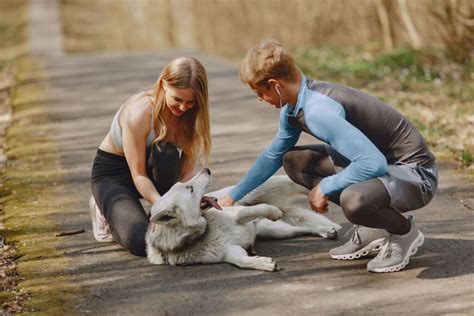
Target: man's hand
[226, 201]
[317, 200]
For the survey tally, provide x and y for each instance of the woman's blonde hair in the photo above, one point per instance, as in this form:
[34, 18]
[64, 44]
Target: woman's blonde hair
[268, 60]
[194, 136]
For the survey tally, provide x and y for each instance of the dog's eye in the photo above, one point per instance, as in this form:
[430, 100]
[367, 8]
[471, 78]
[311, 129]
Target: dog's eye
[190, 188]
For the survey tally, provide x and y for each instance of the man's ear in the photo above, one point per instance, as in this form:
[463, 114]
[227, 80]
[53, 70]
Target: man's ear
[275, 82]
[165, 216]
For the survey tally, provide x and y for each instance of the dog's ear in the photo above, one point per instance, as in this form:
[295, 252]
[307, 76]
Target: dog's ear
[165, 216]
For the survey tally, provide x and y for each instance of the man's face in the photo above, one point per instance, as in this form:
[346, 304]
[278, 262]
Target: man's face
[268, 95]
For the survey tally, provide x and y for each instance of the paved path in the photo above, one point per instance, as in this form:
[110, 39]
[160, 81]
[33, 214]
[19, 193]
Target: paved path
[86, 90]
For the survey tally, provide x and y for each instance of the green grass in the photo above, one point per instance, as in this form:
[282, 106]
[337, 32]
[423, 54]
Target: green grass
[34, 267]
[31, 197]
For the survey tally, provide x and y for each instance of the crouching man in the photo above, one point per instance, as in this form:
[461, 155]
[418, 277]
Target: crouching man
[373, 162]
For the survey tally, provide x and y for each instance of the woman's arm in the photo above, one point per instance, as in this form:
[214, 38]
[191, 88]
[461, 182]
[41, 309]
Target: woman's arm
[135, 123]
[187, 169]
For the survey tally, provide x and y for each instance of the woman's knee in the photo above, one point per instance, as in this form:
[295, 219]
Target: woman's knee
[164, 166]
[163, 152]
[133, 240]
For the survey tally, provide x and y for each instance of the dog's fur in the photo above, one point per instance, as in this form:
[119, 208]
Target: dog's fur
[181, 233]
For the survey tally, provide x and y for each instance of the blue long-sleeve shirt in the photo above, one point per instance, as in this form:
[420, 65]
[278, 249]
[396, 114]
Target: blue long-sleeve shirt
[373, 134]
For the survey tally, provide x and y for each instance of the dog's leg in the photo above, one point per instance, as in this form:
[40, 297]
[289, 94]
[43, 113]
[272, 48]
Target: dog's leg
[281, 230]
[249, 213]
[153, 255]
[319, 224]
[238, 256]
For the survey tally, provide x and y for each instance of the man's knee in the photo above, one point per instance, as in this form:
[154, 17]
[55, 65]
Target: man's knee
[354, 203]
[289, 161]
[289, 165]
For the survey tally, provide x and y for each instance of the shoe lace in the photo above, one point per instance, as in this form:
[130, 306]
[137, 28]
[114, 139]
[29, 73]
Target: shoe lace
[386, 248]
[355, 238]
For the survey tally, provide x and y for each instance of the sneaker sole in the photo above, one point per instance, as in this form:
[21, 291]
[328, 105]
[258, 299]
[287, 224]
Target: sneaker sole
[418, 242]
[373, 247]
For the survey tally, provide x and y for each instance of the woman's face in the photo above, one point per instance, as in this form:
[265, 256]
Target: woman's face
[179, 101]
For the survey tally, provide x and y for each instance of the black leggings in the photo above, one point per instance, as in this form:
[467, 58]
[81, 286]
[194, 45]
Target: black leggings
[118, 199]
[366, 203]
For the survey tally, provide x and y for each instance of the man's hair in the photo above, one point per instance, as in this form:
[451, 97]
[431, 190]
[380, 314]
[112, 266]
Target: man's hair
[267, 60]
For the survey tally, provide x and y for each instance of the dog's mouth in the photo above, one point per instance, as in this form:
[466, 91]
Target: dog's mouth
[209, 201]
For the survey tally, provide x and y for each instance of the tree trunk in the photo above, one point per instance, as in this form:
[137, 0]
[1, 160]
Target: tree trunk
[385, 23]
[409, 26]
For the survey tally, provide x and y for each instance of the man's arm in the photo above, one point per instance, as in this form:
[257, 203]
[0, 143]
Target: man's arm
[367, 161]
[269, 161]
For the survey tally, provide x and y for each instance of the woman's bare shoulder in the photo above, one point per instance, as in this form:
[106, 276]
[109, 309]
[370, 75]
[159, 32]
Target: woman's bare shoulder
[137, 112]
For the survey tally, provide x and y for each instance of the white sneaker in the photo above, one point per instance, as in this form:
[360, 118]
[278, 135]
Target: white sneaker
[364, 242]
[100, 226]
[397, 250]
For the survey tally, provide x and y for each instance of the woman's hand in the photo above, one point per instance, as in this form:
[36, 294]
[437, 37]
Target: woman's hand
[317, 200]
[226, 201]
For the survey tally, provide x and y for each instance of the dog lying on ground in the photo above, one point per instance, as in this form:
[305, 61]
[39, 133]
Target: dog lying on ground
[181, 233]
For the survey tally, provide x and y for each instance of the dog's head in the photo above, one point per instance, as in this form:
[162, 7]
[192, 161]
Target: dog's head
[181, 204]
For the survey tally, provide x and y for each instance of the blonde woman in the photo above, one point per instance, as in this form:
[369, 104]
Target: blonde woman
[155, 139]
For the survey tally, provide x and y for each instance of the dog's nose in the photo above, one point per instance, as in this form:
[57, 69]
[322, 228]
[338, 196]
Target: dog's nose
[207, 171]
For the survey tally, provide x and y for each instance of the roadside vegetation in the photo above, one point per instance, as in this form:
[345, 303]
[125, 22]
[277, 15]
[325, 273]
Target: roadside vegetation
[431, 86]
[12, 50]
[428, 86]
[32, 262]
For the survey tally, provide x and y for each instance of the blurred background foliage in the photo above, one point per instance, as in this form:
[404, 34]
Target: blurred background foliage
[416, 55]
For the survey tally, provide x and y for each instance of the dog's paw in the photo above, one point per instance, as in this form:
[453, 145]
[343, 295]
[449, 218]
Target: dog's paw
[329, 233]
[265, 264]
[275, 214]
[156, 259]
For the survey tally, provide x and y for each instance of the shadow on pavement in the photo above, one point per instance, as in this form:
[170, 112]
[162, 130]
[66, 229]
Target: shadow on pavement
[445, 258]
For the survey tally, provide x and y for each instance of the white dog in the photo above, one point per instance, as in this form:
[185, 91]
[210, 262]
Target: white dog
[181, 233]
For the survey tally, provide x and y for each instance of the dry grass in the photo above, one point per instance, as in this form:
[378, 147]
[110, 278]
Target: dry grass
[231, 27]
[12, 31]
[436, 93]
[90, 25]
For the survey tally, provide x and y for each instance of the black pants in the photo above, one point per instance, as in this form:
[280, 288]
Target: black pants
[118, 199]
[367, 203]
